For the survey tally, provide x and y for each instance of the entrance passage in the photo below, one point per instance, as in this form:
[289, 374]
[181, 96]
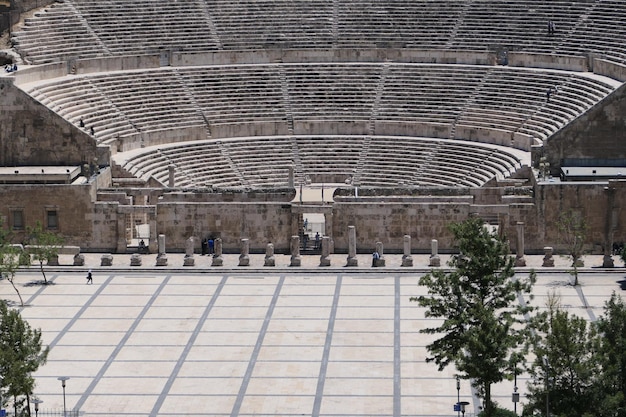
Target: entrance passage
[311, 232]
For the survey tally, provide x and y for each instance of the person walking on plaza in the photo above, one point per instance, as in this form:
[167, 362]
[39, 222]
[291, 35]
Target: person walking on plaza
[89, 277]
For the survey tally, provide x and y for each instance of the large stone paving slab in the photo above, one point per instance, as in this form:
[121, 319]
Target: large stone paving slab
[178, 343]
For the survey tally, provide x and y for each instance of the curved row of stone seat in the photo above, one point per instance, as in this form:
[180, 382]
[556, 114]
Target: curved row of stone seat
[372, 161]
[304, 98]
[92, 28]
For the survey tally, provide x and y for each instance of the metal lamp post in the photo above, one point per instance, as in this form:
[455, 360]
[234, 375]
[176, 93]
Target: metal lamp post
[515, 396]
[37, 401]
[63, 379]
[1, 379]
[458, 395]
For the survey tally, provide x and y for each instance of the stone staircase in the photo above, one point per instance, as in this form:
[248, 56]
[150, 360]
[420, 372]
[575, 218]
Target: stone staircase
[226, 154]
[380, 88]
[192, 98]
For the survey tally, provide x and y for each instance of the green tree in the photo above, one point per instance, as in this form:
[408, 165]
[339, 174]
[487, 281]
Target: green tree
[573, 230]
[21, 354]
[565, 365]
[43, 245]
[10, 257]
[483, 322]
[611, 348]
[499, 412]
[9, 264]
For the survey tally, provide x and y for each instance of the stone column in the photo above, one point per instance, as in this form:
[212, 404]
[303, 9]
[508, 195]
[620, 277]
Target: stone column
[325, 256]
[161, 257]
[519, 256]
[171, 180]
[380, 262]
[269, 255]
[352, 260]
[152, 245]
[328, 225]
[135, 259]
[53, 261]
[434, 253]
[79, 259]
[106, 260]
[607, 260]
[295, 251]
[218, 260]
[548, 260]
[407, 260]
[121, 233]
[244, 257]
[189, 249]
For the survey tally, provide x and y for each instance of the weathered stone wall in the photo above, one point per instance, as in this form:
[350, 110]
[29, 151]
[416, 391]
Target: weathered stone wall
[599, 133]
[27, 5]
[99, 226]
[73, 203]
[262, 223]
[105, 219]
[389, 222]
[534, 60]
[264, 56]
[588, 200]
[21, 6]
[32, 134]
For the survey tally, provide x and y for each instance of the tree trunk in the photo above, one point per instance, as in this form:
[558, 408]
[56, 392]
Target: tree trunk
[16, 290]
[42, 271]
[489, 412]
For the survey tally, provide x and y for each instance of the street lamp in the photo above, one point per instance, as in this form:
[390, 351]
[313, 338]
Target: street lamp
[463, 404]
[1, 379]
[458, 395]
[37, 401]
[63, 379]
[515, 396]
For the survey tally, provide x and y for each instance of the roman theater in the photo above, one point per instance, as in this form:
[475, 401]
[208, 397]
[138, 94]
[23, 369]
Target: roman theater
[126, 120]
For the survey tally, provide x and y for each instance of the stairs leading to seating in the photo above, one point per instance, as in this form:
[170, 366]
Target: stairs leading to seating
[297, 162]
[476, 92]
[190, 95]
[362, 160]
[380, 88]
[286, 98]
[459, 21]
[89, 29]
[202, 5]
[226, 154]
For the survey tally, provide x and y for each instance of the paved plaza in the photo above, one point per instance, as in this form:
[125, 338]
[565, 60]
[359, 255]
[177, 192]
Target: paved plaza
[256, 341]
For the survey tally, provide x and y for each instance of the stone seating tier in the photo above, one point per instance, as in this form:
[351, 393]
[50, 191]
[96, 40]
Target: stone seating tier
[301, 97]
[89, 28]
[378, 161]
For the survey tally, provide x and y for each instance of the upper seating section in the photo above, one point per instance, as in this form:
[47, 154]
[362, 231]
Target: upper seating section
[93, 28]
[282, 99]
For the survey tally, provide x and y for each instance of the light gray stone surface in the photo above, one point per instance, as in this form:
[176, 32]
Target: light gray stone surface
[144, 341]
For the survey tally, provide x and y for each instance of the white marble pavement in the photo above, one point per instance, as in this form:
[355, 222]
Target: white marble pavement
[230, 341]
